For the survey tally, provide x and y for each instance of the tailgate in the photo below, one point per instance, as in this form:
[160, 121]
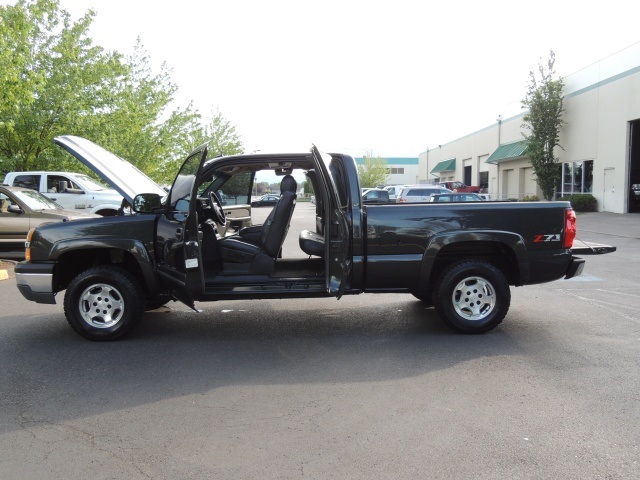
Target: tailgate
[590, 248]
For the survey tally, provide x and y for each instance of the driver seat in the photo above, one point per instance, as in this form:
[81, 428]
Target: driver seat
[257, 253]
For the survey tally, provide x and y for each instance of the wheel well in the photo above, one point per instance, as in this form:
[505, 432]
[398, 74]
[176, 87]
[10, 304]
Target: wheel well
[72, 263]
[495, 253]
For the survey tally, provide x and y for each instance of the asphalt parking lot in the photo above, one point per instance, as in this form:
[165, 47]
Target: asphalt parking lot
[368, 387]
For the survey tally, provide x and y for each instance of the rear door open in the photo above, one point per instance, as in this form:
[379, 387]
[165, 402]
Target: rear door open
[336, 232]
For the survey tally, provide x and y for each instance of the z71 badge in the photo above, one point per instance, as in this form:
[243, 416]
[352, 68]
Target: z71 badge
[555, 237]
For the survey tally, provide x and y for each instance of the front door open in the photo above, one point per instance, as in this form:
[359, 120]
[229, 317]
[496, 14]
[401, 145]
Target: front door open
[177, 241]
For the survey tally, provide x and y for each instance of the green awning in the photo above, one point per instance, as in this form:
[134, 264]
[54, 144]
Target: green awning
[445, 166]
[508, 151]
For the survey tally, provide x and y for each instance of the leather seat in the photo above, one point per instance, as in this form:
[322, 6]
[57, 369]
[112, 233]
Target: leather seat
[311, 243]
[256, 248]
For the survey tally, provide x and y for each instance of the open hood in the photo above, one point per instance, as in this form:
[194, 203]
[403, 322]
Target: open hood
[120, 174]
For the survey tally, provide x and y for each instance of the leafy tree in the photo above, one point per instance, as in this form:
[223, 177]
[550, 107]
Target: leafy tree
[55, 81]
[221, 135]
[261, 188]
[307, 188]
[138, 124]
[374, 171]
[544, 119]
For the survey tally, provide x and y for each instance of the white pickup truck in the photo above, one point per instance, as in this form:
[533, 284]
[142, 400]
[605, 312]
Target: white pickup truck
[73, 191]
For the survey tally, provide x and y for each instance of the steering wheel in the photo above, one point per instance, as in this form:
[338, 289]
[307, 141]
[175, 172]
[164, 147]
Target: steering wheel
[215, 209]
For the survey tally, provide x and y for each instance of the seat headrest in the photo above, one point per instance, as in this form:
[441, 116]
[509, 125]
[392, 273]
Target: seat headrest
[288, 184]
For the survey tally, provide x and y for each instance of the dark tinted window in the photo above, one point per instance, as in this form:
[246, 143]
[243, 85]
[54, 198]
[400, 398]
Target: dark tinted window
[27, 181]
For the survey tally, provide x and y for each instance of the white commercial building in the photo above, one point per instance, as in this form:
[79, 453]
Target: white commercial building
[401, 170]
[600, 142]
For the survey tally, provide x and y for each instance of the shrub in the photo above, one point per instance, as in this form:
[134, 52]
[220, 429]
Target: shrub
[530, 198]
[582, 202]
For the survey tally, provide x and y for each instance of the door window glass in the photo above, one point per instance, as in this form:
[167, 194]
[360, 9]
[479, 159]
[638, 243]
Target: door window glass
[27, 181]
[183, 184]
[53, 183]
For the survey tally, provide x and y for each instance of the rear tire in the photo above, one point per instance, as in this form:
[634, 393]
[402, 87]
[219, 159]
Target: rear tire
[104, 303]
[472, 296]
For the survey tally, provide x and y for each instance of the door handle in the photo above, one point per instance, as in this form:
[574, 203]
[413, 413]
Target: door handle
[179, 234]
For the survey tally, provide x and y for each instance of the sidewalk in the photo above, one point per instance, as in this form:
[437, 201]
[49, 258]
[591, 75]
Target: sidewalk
[6, 269]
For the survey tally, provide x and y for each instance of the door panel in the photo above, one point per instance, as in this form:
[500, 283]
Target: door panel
[177, 239]
[337, 239]
[238, 216]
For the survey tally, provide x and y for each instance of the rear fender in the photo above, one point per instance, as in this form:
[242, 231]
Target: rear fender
[510, 240]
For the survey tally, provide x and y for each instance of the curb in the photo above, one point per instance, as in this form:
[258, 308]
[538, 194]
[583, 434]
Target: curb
[6, 273]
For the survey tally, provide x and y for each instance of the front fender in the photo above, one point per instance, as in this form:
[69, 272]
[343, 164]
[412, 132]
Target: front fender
[135, 247]
[510, 240]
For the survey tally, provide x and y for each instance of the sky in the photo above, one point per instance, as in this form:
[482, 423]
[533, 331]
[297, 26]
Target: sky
[390, 79]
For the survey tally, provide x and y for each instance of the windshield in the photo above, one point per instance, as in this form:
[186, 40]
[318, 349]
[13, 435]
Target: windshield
[91, 183]
[36, 201]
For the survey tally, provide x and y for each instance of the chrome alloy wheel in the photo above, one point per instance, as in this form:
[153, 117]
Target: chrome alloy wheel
[474, 298]
[101, 305]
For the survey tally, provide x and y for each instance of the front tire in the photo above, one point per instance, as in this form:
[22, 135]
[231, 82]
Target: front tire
[472, 296]
[104, 303]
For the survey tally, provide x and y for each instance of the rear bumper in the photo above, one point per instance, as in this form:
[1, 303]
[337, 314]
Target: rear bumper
[576, 265]
[35, 281]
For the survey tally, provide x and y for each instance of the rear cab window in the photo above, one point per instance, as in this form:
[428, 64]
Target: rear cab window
[27, 181]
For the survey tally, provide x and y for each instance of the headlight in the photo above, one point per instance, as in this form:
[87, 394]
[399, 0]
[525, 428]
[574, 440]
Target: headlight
[27, 245]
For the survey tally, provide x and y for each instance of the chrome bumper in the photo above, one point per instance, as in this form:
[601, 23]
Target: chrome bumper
[35, 282]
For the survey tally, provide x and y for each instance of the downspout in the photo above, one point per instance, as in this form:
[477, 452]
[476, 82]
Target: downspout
[498, 163]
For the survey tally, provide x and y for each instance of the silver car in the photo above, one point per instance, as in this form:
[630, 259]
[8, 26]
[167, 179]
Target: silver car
[418, 193]
[22, 209]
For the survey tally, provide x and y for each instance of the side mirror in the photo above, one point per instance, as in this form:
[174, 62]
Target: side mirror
[146, 202]
[62, 186]
[13, 208]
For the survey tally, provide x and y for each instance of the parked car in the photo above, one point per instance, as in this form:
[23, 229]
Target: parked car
[635, 194]
[73, 191]
[392, 189]
[375, 195]
[459, 187]
[418, 193]
[22, 209]
[456, 197]
[268, 200]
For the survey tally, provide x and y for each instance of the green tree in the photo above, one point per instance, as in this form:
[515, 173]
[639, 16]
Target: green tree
[544, 102]
[55, 81]
[307, 188]
[373, 171]
[139, 125]
[221, 135]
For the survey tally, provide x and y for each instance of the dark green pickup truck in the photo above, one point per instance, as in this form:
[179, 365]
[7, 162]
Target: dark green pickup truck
[190, 246]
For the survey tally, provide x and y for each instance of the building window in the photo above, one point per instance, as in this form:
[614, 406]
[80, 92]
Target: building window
[576, 177]
[484, 181]
[396, 170]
